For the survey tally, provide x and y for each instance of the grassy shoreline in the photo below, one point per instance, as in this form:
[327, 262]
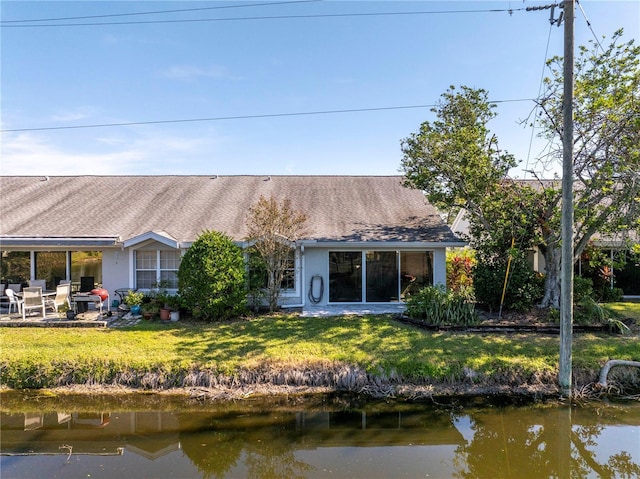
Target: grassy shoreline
[370, 355]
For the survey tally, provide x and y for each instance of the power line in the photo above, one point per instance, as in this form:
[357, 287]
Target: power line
[158, 12]
[239, 117]
[273, 17]
[535, 117]
[589, 25]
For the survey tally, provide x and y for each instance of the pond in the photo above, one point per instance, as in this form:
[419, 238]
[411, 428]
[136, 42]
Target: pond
[329, 436]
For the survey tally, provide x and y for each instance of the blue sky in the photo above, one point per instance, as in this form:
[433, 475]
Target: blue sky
[147, 72]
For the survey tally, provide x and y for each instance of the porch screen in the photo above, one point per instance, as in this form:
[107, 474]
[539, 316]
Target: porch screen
[15, 266]
[51, 266]
[86, 264]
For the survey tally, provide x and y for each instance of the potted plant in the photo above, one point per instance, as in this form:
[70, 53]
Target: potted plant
[161, 296]
[64, 310]
[134, 300]
[149, 309]
[175, 303]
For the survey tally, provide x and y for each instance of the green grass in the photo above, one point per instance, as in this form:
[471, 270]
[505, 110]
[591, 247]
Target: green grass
[45, 357]
[624, 310]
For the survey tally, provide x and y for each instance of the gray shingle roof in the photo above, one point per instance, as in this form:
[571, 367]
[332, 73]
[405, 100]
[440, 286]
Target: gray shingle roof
[339, 208]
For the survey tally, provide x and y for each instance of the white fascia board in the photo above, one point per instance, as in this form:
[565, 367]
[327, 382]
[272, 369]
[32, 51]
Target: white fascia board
[7, 241]
[385, 244]
[154, 236]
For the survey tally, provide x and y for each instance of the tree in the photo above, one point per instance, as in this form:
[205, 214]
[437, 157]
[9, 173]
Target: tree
[606, 149]
[457, 163]
[273, 228]
[211, 278]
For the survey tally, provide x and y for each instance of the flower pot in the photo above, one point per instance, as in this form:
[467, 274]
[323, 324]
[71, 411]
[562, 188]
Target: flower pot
[71, 315]
[175, 315]
[165, 314]
[135, 310]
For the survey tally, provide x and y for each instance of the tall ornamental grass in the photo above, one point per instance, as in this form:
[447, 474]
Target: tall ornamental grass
[435, 305]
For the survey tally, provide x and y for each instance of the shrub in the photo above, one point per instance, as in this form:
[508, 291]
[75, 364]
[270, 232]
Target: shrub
[211, 278]
[582, 288]
[606, 294]
[525, 287]
[459, 271]
[435, 305]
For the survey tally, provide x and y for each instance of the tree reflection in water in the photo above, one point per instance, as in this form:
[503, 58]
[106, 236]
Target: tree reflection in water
[554, 442]
[216, 444]
[361, 440]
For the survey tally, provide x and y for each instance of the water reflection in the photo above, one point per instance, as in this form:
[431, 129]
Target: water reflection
[388, 440]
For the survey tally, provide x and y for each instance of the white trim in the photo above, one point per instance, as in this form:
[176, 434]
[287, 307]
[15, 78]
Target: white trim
[159, 236]
[383, 245]
[51, 243]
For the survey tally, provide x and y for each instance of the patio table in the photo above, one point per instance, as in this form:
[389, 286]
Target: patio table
[91, 298]
[45, 294]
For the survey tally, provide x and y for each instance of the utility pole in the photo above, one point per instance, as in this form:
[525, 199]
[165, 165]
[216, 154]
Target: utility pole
[566, 281]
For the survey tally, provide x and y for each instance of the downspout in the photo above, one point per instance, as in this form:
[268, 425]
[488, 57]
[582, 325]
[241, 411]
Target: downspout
[303, 277]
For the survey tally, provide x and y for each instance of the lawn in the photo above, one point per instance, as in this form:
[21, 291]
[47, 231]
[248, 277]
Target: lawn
[383, 347]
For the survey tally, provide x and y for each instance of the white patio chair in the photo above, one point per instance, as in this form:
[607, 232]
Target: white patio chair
[32, 299]
[14, 302]
[62, 297]
[38, 283]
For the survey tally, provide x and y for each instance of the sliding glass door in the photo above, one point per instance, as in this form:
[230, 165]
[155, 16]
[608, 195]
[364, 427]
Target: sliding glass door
[345, 277]
[388, 276]
[382, 276]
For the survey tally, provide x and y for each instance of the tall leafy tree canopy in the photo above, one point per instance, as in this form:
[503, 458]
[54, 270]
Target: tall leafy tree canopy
[456, 160]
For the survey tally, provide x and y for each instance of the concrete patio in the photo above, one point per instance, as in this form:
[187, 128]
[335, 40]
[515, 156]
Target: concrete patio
[310, 311]
[90, 319]
[93, 318]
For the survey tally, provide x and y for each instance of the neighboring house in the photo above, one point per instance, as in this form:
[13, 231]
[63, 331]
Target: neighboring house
[370, 238]
[626, 278]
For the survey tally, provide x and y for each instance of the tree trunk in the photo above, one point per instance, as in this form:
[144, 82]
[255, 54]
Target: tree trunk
[551, 297]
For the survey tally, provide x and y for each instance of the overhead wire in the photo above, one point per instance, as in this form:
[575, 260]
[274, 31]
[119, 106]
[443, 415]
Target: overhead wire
[160, 12]
[238, 117]
[589, 25]
[535, 116]
[264, 17]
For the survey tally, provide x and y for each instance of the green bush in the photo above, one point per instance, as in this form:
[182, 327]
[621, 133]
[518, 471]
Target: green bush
[525, 287]
[435, 305]
[606, 294]
[582, 288]
[211, 278]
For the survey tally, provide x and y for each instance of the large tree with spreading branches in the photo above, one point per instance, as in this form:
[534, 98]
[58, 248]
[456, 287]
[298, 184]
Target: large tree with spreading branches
[457, 162]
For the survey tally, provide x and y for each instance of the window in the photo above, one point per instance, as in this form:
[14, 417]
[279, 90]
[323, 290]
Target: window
[259, 271]
[169, 265]
[389, 276]
[154, 266]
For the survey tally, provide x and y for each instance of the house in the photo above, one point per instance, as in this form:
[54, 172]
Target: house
[626, 277]
[370, 238]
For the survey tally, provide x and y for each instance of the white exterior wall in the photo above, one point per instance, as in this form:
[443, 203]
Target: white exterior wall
[115, 271]
[439, 266]
[316, 263]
